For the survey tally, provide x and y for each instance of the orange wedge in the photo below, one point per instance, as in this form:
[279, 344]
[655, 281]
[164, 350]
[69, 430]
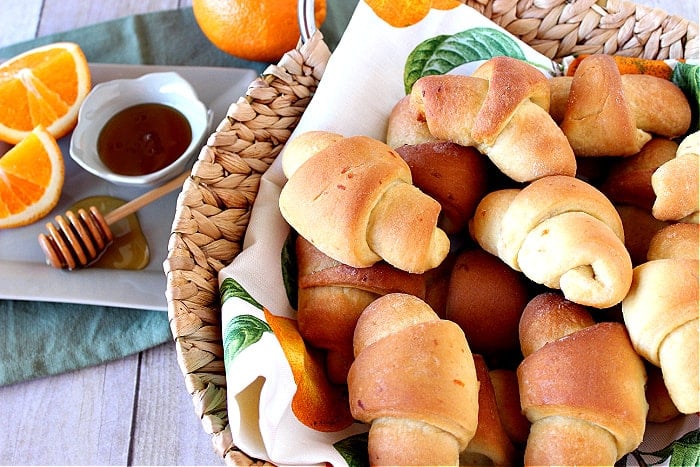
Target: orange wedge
[43, 86]
[31, 179]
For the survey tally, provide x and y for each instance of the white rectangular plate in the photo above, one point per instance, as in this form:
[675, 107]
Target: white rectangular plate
[24, 274]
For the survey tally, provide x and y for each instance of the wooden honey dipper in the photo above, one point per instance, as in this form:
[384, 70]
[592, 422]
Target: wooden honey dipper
[82, 237]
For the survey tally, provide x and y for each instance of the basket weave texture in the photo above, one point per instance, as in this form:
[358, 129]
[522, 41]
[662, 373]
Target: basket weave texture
[213, 208]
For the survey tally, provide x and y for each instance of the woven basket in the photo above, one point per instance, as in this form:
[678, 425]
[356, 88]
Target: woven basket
[214, 205]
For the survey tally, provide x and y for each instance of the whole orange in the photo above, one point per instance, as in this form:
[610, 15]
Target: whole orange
[257, 30]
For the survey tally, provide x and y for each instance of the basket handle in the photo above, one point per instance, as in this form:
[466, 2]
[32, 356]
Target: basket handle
[306, 18]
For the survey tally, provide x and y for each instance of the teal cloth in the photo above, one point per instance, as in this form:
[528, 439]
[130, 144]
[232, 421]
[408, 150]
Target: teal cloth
[38, 338]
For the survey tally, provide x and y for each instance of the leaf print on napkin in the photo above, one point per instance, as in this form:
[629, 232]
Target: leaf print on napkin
[229, 288]
[440, 54]
[288, 261]
[244, 330]
[684, 451]
[241, 332]
[354, 450]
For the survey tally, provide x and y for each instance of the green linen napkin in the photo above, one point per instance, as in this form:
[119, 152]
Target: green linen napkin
[38, 338]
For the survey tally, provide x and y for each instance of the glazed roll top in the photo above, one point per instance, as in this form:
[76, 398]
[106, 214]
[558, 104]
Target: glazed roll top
[414, 380]
[332, 295]
[661, 314]
[502, 110]
[354, 200]
[560, 232]
[675, 183]
[584, 391]
[608, 114]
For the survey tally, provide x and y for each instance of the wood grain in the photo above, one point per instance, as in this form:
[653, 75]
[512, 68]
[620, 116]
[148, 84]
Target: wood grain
[81, 417]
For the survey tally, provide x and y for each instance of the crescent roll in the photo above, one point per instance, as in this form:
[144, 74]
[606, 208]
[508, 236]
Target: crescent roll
[353, 199]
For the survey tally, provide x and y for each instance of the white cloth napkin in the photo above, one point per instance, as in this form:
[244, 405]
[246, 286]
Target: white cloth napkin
[361, 84]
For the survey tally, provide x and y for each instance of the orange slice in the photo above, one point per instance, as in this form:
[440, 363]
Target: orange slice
[31, 179]
[43, 86]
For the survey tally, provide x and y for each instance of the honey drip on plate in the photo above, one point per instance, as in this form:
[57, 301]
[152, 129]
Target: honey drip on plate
[129, 250]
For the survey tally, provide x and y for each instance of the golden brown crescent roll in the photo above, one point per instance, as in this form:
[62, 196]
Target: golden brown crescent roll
[355, 201]
[560, 232]
[301, 148]
[609, 114]
[454, 175]
[505, 386]
[668, 114]
[559, 88]
[486, 298]
[595, 106]
[490, 444]
[331, 296]
[584, 393]
[661, 315]
[404, 127]
[547, 317]
[661, 407]
[629, 179]
[414, 380]
[676, 185]
[678, 241]
[640, 227]
[503, 112]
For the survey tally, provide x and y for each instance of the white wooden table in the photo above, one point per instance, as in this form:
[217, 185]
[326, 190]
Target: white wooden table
[134, 411]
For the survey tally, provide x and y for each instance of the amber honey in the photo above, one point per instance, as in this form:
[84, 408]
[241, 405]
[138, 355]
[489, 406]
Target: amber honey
[143, 139]
[129, 248]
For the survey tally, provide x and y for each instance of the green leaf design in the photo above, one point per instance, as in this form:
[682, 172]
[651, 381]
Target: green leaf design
[289, 269]
[354, 450]
[229, 288]
[241, 332]
[683, 452]
[440, 54]
[687, 77]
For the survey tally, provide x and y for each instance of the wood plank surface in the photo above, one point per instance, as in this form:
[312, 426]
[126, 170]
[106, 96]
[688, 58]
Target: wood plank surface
[166, 430]
[81, 417]
[134, 411]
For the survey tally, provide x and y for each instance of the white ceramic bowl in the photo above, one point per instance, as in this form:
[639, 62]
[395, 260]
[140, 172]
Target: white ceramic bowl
[108, 98]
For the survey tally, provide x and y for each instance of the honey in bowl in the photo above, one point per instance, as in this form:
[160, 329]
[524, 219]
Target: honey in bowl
[143, 139]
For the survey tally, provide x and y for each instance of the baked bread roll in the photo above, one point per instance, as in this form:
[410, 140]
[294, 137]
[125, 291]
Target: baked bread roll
[661, 407]
[676, 186]
[505, 387]
[609, 114]
[301, 148]
[332, 295]
[490, 444]
[547, 317]
[559, 88]
[437, 282]
[486, 298]
[405, 128]
[661, 315]
[629, 179]
[455, 176]
[560, 232]
[354, 200]
[414, 380]
[678, 241]
[502, 110]
[640, 228]
[582, 391]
